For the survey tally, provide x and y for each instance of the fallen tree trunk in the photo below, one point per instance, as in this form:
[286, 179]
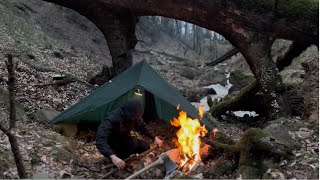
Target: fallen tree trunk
[250, 26]
[226, 56]
[246, 100]
[296, 20]
[61, 82]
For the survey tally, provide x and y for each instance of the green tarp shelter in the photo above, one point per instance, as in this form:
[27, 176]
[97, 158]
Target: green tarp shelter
[140, 81]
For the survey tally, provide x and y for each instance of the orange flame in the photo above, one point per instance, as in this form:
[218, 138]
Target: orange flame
[201, 107]
[189, 138]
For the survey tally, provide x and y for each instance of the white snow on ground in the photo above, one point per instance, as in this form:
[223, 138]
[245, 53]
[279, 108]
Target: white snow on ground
[222, 91]
[242, 113]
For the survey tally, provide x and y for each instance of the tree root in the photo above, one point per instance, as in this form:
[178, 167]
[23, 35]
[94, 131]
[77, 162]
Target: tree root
[240, 102]
[250, 92]
[254, 148]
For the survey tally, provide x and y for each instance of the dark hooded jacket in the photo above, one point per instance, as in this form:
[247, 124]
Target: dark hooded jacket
[118, 123]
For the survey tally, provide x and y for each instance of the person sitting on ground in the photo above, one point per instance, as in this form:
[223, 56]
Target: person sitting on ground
[113, 138]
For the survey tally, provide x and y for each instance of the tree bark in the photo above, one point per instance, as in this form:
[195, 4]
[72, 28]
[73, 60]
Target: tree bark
[119, 29]
[256, 49]
[12, 109]
[16, 152]
[11, 66]
[296, 20]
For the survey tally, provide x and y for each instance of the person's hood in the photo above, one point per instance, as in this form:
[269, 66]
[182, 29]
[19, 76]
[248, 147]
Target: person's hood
[132, 109]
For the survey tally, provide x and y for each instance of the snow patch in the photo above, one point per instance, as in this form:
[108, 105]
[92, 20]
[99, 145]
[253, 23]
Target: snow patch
[221, 91]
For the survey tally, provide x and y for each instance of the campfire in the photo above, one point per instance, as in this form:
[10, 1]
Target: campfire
[185, 159]
[188, 139]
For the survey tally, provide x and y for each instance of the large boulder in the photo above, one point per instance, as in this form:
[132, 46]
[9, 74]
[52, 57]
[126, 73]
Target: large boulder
[260, 151]
[280, 131]
[239, 79]
[46, 115]
[283, 129]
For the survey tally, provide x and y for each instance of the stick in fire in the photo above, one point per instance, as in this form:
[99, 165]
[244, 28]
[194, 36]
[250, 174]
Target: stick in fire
[189, 139]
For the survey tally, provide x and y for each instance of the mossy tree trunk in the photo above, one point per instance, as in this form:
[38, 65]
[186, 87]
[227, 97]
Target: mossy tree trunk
[256, 48]
[246, 100]
[249, 93]
[252, 151]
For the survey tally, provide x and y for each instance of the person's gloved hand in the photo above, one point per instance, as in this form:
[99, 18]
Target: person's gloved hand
[158, 141]
[117, 162]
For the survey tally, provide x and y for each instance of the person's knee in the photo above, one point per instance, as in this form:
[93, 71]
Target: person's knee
[142, 146]
[146, 146]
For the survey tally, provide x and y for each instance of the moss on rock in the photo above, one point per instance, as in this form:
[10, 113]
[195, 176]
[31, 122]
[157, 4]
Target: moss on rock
[223, 138]
[256, 147]
[212, 120]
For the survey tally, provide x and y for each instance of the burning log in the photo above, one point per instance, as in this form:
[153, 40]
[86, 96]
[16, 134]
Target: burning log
[129, 159]
[187, 155]
[181, 175]
[254, 147]
[169, 159]
[188, 140]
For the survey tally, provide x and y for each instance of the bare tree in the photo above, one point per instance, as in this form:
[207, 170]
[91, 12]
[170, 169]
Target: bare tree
[12, 119]
[11, 86]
